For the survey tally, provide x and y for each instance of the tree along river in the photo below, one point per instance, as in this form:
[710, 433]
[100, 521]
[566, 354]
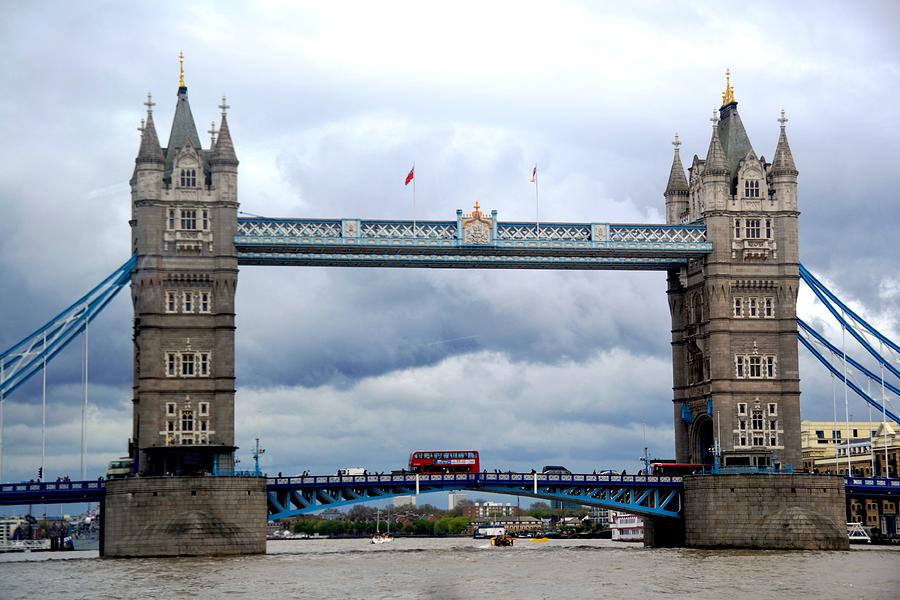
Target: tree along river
[461, 568]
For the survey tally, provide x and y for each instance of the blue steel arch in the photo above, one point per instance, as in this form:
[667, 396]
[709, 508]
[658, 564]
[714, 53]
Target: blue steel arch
[637, 494]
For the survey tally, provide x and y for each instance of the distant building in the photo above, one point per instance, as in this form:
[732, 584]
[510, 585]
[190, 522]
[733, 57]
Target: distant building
[404, 500]
[832, 447]
[454, 498]
[331, 514]
[490, 510]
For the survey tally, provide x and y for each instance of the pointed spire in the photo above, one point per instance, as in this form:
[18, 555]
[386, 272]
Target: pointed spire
[783, 162]
[184, 130]
[149, 152]
[715, 157]
[678, 184]
[223, 154]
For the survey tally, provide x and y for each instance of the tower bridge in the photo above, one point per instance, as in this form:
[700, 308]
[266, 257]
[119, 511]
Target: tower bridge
[729, 248]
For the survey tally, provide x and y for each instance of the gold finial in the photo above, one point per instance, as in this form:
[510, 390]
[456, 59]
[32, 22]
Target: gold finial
[728, 94]
[477, 212]
[181, 62]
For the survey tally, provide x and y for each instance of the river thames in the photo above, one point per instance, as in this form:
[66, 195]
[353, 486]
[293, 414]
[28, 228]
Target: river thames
[460, 568]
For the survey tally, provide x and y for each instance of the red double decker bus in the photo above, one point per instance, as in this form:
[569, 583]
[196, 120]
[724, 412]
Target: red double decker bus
[444, 461]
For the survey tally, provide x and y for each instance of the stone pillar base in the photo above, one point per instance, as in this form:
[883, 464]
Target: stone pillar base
[663, 533]
[184, 516]
[764, 510]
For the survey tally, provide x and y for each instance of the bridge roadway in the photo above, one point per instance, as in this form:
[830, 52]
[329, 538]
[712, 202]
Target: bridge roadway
[648, 496]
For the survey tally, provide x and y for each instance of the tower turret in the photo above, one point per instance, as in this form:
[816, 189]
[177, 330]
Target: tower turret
[183, 292]
[677, 188]
[734, 330]
[715, 172]
[783, 172]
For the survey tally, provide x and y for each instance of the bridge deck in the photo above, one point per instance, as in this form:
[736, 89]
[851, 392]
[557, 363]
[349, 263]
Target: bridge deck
[355, 242]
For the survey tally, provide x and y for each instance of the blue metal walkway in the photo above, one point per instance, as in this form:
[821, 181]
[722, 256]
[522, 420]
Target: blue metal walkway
[474, 240]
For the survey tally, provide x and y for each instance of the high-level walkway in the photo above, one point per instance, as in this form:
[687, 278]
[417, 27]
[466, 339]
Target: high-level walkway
[457, 244]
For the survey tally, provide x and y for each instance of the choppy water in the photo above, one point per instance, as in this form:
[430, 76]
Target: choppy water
[458, 568]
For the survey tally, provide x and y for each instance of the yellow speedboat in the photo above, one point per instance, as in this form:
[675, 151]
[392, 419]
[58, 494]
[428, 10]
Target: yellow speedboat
[540, 539]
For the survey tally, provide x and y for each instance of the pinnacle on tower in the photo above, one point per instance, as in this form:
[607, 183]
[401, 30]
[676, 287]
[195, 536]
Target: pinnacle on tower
[678, 184]
[783, 162]
[223, 153]
[150, 151]
[184, 130]
[715, 156]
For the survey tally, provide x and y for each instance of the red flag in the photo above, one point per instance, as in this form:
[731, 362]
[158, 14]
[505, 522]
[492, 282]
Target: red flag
[534, 174]
[411, 176]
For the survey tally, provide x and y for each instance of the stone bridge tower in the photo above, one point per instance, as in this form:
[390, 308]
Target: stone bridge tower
[734, 331]
[184, 217]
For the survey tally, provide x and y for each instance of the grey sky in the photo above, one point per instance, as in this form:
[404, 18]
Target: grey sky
[331, 105]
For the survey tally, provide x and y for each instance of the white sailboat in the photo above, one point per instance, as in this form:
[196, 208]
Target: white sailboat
[378, 537]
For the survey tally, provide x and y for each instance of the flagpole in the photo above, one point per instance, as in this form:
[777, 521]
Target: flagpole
[537, 219]
[414, 199]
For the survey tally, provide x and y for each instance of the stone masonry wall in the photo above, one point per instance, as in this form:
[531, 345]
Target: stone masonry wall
[184, 516]
[772, 511]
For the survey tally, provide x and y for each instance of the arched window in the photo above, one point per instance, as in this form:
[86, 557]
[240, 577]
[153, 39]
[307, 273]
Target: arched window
[187, 420]
[189, 178]
[751, 188]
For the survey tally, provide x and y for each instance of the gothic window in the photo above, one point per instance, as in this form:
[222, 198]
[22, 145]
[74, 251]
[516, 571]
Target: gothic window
[768, 229]
[203, 425]
[770, 367]
[188, 302]
[738, 307]
[742, 408]
[739, 367]
[170, 426]
[751, 228]
[743, 440]
[769, 308]
[751, 188]
[204, 302]
[189, 178]
[189, 218]
[187, 420]
[171, 301]
[757, 423]
[170, 408]
[204, 408]
[697, 309]
[171, 364]
[171, 223]
[737, 229]
[755, 367]
[206, 220]
[754, 309]
[203, 364]
[773, 410]
[187, 364]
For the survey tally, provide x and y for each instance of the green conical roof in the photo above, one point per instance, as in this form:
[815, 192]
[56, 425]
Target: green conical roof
[735, 142]
[184, 131]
